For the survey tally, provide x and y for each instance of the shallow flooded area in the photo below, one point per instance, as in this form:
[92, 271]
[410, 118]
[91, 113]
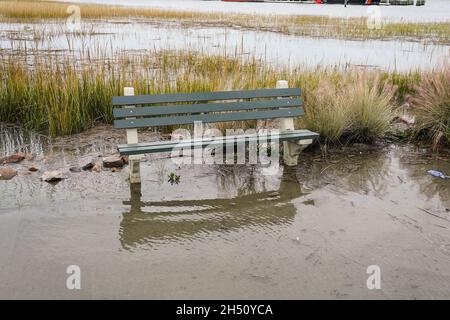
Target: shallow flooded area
[103, 39]
[224, 231]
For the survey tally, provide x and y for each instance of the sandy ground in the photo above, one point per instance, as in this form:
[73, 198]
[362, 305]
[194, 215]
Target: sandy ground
[228, 231]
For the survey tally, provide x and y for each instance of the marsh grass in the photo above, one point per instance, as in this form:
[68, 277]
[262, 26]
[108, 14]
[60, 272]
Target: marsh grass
[431, 105]
[65, 92]
[358, 107]
[371, 107]
[316, 26]
[63, 95]
[326, 111]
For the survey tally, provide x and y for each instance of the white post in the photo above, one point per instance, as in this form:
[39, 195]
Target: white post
[291, 149]
[132, 137]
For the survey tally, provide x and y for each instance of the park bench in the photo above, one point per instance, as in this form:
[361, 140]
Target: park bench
[154, 110]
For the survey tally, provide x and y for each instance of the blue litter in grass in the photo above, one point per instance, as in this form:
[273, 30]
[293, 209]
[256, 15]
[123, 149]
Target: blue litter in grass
[438, 174]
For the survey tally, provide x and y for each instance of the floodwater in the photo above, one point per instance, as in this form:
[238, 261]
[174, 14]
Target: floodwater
[104, 39]
[434, 10]
[224, 231]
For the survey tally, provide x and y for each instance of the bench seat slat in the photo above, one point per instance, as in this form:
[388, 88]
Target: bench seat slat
[205, 107]
[282, 135]
[153, 147]
[203, 96]
[208, 118]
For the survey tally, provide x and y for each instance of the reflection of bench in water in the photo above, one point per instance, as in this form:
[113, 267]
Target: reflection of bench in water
[150, 222]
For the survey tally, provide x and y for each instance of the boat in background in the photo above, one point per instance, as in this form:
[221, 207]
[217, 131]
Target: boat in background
[313, 1]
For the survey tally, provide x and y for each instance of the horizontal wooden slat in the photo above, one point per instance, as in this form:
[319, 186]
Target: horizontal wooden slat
[208, 118]
[165, 146]
[288, 134]
[203, 96]
[205, 107]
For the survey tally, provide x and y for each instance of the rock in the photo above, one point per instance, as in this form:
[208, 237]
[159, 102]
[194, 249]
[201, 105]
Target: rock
[88, 166]
[14, 158]
[115, 169]
[7, 173]
[125, 159]
[97, 167]
[113, 162]
[53, 176]
[75, 169]
[33, 169]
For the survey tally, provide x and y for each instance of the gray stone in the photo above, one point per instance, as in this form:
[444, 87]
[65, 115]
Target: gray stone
[88, 166]
[97, 167]
[75, 169]
[113, 162]
[53, 176]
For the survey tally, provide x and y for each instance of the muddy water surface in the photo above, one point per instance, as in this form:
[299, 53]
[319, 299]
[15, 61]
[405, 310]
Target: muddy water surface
[224, 231]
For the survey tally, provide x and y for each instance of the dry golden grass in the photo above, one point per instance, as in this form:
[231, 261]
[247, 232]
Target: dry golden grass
[431, 104]
[358, 106]
[59, 96]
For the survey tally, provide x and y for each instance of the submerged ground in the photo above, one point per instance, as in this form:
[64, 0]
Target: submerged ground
[224, 231]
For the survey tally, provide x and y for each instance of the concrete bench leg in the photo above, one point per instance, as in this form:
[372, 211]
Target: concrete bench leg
[132, 137]
[291, 149]
[135, 169]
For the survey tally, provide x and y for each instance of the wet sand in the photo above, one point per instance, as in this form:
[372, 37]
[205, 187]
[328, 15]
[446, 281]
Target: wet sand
[226, 231]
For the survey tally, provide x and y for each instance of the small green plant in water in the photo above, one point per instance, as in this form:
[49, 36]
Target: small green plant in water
[173, 178]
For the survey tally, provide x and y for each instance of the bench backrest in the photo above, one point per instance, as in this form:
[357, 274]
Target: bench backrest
[154, 110]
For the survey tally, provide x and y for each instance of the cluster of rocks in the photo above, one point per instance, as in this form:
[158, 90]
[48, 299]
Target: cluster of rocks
[7, 172]
[114, 162]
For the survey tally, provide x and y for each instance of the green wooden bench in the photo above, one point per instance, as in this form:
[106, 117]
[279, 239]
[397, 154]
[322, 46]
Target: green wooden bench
[283, 103]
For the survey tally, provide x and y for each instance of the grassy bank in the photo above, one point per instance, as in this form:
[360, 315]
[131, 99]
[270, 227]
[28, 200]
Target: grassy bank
[316, 26]
[62, 95]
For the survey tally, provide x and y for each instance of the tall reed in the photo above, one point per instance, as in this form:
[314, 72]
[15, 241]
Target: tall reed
[316, 26]
[70, 93]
